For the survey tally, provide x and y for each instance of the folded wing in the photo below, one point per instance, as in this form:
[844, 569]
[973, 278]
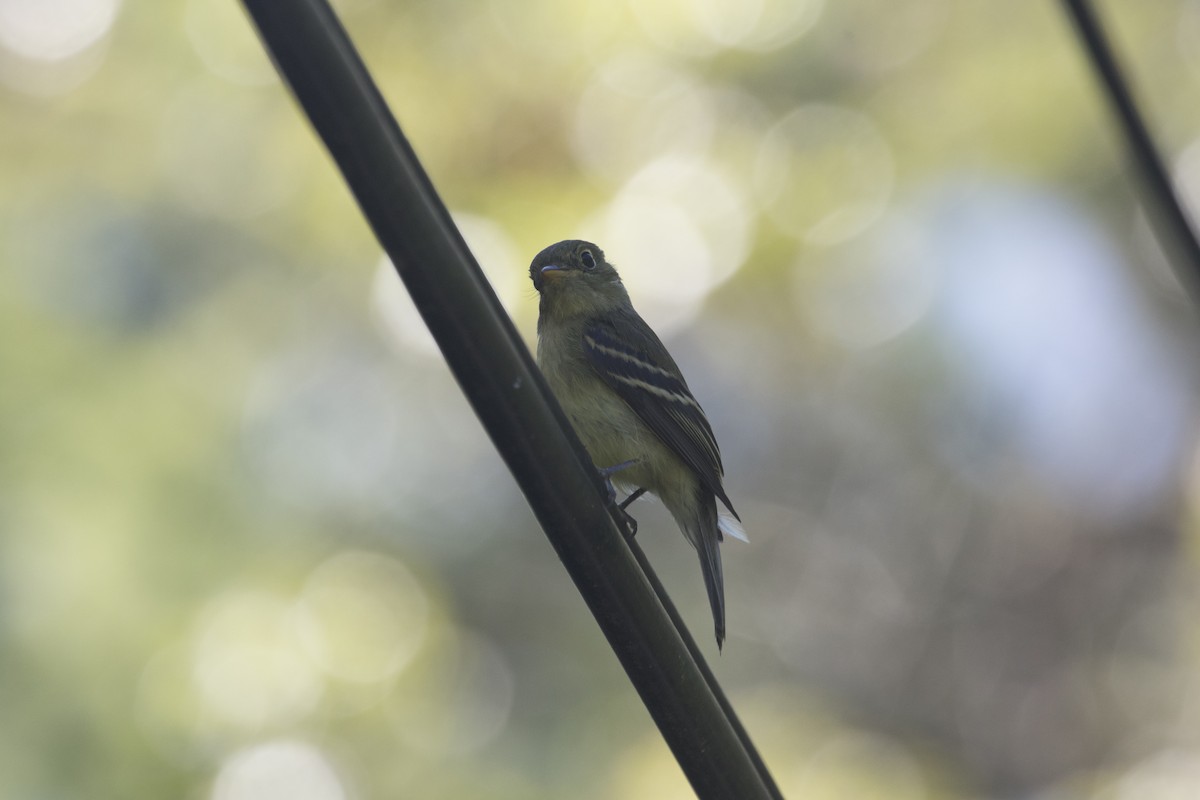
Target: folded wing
[632, 360]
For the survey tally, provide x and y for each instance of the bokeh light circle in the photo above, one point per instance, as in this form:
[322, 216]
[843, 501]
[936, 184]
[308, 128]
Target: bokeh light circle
[638, 108]
[54, 30]
[248, 666]
[280, 770]
[824, 173]
[677, 229]
[705, 27]
[362, 617]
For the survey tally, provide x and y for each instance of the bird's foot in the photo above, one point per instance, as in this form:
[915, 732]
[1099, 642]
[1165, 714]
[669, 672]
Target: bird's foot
[608, 472]
[631, 525]
[626, 521]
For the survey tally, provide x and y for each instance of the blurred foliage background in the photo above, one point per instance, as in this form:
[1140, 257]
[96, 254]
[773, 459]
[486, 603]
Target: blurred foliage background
[253, 544]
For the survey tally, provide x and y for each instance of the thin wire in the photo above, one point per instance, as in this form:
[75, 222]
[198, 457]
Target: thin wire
[1172, 225]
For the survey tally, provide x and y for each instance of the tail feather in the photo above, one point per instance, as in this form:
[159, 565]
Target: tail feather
[730, 526]
[707, 538]
[697, 518]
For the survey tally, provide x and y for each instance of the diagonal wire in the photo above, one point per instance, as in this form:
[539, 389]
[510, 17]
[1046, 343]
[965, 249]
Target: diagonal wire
[1165, 211]
[496, 373]
[759, 765]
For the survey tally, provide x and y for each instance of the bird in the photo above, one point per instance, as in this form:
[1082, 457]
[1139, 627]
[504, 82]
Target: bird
[629, 403]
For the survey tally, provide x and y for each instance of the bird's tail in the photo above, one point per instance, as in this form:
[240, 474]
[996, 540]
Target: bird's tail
[703, 532]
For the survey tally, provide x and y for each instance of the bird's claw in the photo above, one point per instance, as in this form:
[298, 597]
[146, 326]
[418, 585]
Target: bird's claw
[627, 522]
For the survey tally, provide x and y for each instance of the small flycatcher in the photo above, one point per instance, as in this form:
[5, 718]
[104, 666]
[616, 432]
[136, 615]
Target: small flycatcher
[629, 402]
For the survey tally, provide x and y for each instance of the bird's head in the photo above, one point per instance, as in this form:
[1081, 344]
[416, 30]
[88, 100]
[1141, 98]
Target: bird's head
[574, 277]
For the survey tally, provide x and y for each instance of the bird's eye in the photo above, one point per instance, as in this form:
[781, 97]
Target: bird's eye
[589, 261]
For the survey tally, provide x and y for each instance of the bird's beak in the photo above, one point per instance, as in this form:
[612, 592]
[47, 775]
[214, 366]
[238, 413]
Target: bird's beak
[553, 272]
